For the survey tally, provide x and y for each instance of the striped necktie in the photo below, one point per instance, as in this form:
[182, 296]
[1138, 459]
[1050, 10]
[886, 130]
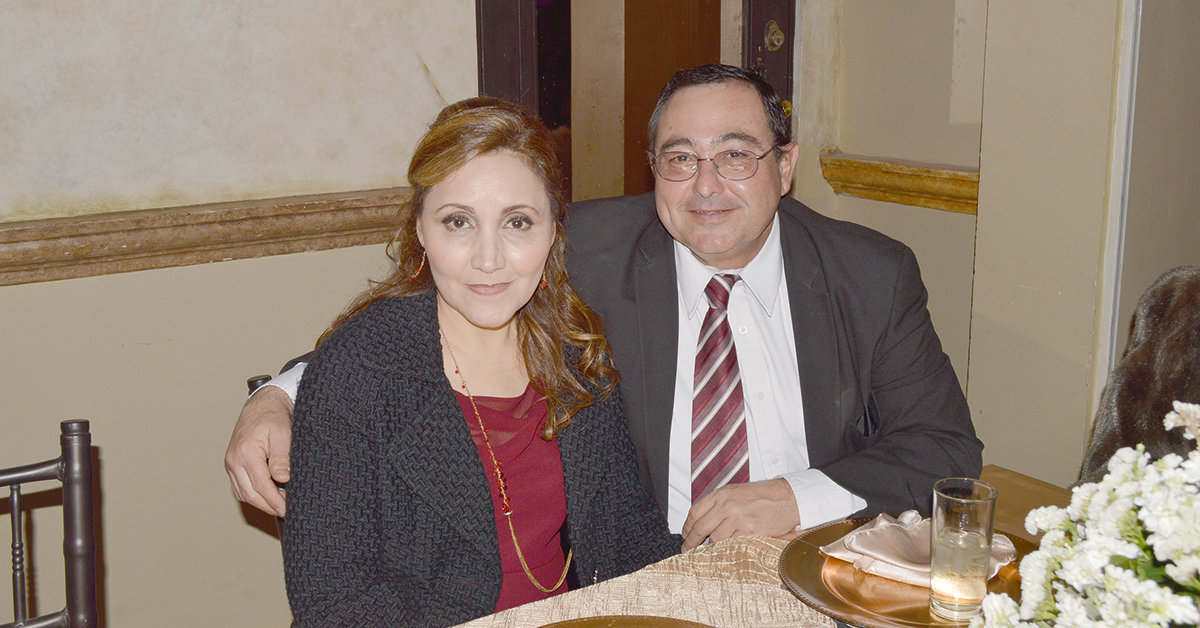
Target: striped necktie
[719, 452]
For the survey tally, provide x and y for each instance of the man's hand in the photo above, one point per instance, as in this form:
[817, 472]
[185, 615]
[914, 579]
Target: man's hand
[257, 456]
[766, 508]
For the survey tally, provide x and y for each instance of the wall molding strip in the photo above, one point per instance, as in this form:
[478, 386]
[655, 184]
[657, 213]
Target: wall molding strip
[69, 248]
[903, 183]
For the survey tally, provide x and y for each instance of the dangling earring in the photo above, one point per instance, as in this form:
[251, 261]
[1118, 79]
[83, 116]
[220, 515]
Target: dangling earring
[544, 284]
[413, 276]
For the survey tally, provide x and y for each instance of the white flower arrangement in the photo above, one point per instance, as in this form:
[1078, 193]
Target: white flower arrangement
[1126, 552]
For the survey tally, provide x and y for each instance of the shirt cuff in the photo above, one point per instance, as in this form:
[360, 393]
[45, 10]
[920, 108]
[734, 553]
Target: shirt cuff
[820, 499]
[287, 381]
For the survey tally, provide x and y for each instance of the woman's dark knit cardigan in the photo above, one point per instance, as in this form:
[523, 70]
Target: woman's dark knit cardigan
[390, 518]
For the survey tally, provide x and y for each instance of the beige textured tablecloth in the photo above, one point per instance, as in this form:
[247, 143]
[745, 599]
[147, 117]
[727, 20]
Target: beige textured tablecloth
[731, 584]
[735, 583]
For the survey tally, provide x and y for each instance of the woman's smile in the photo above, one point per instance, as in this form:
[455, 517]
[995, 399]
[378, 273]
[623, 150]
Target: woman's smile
[488, 289]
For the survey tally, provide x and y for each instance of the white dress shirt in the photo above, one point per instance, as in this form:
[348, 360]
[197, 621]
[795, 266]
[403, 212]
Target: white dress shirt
[766, 349]
[287, 381]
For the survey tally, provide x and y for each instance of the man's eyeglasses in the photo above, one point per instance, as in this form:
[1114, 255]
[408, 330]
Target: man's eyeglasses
[733, 165]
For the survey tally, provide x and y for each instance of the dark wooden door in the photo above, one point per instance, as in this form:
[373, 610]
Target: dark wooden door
[523, 43]
[661, 38]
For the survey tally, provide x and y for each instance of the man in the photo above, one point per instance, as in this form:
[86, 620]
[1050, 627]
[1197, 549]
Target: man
[832, 397]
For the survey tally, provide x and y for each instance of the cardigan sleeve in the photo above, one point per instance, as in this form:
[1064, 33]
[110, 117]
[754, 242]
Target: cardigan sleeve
[331, 535]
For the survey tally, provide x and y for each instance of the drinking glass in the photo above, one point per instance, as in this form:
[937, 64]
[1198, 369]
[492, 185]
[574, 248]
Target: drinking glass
[964, 511]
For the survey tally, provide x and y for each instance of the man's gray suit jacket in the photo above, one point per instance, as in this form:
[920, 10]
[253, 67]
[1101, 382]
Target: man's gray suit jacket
[884, 415]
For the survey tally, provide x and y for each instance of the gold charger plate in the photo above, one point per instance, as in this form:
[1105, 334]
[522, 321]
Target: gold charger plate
[626, 621]
[835, 588]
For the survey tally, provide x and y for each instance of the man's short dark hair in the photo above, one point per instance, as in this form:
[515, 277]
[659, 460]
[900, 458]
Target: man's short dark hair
[714, 73]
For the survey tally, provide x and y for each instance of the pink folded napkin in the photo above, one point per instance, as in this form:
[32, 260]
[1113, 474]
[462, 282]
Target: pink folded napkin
[898, 549]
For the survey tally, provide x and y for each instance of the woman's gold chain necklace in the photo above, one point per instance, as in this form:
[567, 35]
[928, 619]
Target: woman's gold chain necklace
[507, 508]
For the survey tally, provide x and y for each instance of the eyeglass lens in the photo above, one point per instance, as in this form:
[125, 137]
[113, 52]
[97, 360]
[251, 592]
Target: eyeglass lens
[733, 165]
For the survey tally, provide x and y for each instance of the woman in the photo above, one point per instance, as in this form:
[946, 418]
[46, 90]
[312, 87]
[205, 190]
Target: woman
[473, 365]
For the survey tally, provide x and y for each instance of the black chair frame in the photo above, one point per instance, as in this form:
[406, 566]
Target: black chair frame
[74, 469]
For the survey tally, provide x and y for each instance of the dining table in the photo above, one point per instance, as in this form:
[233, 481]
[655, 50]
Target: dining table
[738, 582]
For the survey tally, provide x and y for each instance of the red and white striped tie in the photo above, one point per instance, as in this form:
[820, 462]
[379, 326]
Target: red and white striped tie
[719, 453]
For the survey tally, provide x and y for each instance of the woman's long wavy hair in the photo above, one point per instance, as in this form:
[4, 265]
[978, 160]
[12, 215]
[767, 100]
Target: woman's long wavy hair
[555, 316]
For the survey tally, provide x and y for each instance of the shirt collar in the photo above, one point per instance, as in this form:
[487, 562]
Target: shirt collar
[762, 275]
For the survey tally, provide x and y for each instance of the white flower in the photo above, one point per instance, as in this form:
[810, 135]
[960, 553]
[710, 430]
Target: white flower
[1136, 602]
[1082, 569]
[1187, 416]
[1125, 553]
[999, 611]
[1057, 538]
[1045, 519]
[1186, 571]
[1081, 496]
[1035, 581]
[1082, 566]
[1073, 613]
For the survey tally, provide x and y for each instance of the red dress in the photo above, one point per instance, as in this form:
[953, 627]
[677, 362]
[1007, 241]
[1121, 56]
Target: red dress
[533, 470]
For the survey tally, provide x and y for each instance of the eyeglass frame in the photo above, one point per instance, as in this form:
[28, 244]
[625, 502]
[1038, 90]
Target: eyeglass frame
[757, 158]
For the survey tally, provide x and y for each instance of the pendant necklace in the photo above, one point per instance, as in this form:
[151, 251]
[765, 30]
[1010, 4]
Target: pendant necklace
[500, 481]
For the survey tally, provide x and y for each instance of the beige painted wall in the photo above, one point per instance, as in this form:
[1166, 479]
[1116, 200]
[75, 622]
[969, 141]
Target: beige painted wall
[157, 361]
[906, 92]
[1044, 175]
[124, 105]
[1162, 228]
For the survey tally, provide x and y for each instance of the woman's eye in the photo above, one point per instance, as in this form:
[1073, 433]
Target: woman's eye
[520, 222]
[455, 222]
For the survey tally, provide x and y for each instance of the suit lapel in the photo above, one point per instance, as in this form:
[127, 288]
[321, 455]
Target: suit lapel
[813, 328]
[656, 295]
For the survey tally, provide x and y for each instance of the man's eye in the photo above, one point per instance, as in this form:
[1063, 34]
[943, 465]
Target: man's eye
[737, 154]
[681, 159]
